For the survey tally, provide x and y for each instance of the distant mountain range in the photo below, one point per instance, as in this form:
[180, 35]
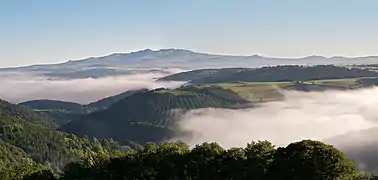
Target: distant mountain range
[164, 59]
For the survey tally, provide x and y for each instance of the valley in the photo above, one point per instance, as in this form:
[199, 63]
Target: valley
[188, 90]
[129, 121]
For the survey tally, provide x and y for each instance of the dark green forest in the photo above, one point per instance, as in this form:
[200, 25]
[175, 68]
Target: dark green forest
[310, 160]
[12, 110]
[30, 137]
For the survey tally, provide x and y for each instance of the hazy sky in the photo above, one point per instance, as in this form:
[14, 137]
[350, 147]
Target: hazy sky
[48, 31]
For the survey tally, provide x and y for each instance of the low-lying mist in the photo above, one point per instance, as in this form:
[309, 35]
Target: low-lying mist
[301, 115]
[19, 87]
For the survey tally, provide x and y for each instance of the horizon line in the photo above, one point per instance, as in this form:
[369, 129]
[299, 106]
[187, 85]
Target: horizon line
[196, 52]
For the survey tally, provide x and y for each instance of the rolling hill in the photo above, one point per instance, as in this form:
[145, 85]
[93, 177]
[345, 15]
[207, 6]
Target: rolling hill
[8, 109]
[270, 74]
[63, 112]
[150, 115]
[46, 104]
[60, 111]
[108, 101]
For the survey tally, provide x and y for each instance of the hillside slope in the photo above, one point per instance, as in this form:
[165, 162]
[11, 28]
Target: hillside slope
[8, 109]
[108, 101]
[46, 146]
[24, 136]
[63, 112]
[149, 116]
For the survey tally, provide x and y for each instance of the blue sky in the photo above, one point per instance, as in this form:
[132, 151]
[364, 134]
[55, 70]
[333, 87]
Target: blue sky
[49, 31]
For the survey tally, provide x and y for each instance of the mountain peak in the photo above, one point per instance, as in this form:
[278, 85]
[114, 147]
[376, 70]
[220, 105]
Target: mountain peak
[338, 57]
[256, 56]
[314, 57]
[162, 51]
[144, 51]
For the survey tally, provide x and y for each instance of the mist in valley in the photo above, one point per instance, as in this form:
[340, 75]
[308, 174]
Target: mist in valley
[301, 115]
[20, 87]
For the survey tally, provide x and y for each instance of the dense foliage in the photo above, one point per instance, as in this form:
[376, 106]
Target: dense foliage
[148, 116]
[11, 156]
[306, 159]
[270, 74]
[12, 110]
[49, 147]
[28, 137]
[108, 101]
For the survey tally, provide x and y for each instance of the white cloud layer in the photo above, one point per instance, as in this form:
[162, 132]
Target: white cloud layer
[302, 115]
[19, 87]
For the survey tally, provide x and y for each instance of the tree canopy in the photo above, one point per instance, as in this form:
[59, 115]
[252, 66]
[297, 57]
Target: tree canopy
[305, 159]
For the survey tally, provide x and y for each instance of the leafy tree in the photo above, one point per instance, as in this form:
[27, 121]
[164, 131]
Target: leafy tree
[204, 160]
[170, 163]
[259, 157]
[233, 165]
[28, 140]
[311, 160]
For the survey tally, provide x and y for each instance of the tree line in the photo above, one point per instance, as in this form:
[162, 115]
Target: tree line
[303, 160]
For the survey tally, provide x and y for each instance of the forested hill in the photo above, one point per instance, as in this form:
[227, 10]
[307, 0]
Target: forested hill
[149, 116]
[270, 74]
[108, 101]
[12, 110]
[24, 137]
[63, 112]
[46, 104]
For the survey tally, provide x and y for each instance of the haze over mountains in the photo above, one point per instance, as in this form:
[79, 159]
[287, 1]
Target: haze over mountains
[23, 87]
[129, 71]
[164, 60]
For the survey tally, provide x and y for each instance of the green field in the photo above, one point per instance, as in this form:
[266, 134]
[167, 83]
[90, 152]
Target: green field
[255, 91]
[176, 92]
[270, 91]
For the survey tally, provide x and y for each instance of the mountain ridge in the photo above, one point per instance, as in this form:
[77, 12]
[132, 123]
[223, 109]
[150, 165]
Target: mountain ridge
[180, 51]
[118, 64]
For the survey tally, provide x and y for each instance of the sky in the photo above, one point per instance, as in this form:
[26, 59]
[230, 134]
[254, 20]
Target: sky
[45, 31]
